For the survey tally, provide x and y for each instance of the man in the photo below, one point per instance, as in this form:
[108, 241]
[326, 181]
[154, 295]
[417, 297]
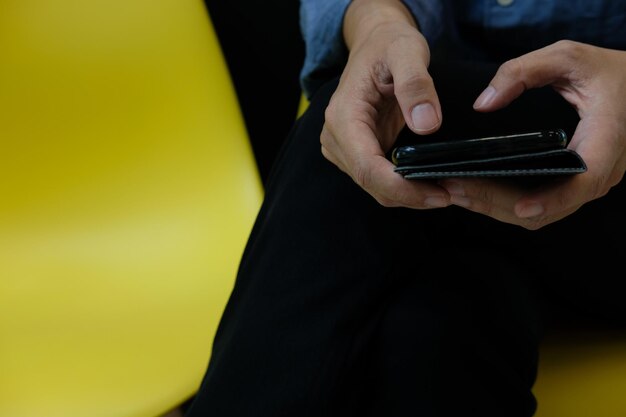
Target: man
[363, 293]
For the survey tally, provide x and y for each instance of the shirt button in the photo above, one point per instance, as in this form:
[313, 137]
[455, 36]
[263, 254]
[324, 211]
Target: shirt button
[505, 3]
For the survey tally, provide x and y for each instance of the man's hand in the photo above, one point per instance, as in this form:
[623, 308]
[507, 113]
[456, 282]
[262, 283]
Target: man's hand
[385, 84]
[591, 79]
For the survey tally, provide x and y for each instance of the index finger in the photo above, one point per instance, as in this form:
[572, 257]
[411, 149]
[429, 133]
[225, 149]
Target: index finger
[413, 86]
[369, 168]
[551, 65]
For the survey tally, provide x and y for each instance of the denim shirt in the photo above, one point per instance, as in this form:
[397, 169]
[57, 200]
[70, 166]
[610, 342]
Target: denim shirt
[488, 29]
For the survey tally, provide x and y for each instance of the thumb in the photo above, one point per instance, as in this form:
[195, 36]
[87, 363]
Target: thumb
[424, 117]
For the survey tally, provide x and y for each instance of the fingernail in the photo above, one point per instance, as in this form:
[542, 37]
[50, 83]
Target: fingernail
[485, 97]
[424, 117]
[436, 202]
[530, 210]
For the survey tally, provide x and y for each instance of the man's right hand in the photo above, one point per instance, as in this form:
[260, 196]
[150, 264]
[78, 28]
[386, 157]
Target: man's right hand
[385, 84]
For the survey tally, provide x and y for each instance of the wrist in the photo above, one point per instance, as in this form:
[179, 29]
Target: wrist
[364, 16]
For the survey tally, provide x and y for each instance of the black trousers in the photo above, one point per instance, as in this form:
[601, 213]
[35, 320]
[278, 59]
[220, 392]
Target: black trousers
[345, 308]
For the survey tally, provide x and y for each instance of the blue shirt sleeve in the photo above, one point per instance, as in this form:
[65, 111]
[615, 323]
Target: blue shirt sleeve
[511, 28]
[321, 23]
[429, 15]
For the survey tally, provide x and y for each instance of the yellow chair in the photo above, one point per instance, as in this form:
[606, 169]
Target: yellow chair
[127, 191]
[582, 374]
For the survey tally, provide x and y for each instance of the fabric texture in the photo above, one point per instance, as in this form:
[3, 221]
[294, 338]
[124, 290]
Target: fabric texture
[488, 29]
[343, 307]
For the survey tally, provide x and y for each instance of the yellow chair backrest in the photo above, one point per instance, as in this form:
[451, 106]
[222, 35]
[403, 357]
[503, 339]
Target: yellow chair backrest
[127, 191]
[582, 375]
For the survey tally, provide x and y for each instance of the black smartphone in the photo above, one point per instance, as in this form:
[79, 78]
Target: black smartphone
[478, 148]
[540, 153]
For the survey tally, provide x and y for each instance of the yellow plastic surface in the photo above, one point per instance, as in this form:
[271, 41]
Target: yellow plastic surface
[582, 376]
[127, 191]
[303, 105]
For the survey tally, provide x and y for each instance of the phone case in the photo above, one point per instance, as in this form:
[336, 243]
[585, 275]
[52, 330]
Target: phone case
[530, 154]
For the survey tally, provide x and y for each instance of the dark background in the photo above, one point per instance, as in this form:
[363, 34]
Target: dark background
[264, 51]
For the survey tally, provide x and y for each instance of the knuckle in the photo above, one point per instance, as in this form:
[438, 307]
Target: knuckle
[568, 49]
[512, 69]
[414, 82]
[330, 115]
[325, 137]
[362, 176]
[570, 53]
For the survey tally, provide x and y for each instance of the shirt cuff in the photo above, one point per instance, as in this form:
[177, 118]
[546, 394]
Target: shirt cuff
[321, 23]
